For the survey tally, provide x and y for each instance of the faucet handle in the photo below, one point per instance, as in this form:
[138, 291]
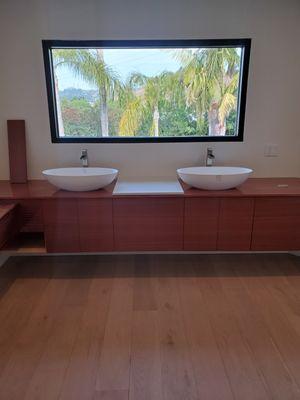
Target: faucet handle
[84, 158]
[83, 154]
[210, 152]
[209, 157]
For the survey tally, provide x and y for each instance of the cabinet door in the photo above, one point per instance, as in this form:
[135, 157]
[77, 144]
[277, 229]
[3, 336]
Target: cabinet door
[148, 224]
[235, 224]
[276, 224]
[61, 225]
[201, 224]
[95, 224]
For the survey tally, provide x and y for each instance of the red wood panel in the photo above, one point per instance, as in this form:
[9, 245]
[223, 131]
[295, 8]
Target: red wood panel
[31, 214]
[6, 208]
[276, 224]
[148, 224]
[62, 212]
[64, 239]
[95, 225]
[201, 224]
[235, 224]
[61, 225]
[8, 222]
[17, 151]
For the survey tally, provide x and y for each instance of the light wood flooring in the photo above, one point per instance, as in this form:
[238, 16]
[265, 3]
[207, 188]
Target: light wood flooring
[143, 327]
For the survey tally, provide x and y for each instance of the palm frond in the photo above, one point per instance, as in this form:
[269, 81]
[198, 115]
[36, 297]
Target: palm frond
[131, 118]
[227, 104]
[88, 65]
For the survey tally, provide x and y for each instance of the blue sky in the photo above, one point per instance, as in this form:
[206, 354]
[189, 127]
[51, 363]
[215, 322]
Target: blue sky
[150, 62]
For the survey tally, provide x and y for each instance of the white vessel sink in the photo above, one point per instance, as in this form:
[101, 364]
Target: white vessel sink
[214, 178]
[80, 179]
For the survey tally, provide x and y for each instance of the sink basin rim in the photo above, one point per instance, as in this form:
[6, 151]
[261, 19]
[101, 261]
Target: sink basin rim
[214, 178]
[214, 171]
[81, 179]
[76, 172]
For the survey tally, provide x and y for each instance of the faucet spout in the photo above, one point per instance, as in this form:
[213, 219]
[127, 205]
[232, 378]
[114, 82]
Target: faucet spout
[210, 157]
[84, 158]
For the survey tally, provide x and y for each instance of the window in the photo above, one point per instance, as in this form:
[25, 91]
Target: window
[147, 91]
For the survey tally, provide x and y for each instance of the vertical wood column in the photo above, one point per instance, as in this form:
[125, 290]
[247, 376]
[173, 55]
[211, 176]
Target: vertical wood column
[17, 151]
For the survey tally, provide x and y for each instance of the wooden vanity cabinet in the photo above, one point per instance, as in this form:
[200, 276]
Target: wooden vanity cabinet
[148, 223]
[201, 223]
[171, 224]
[262, 215]
[276, 224]
[235, 224]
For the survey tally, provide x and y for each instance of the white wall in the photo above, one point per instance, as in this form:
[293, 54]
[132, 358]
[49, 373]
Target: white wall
[273, 106]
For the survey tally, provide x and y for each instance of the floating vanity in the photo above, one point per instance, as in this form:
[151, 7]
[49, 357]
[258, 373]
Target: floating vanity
[260, 215]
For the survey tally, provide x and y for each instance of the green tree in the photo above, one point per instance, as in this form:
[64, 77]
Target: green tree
[211, 78]
[89, 65]
[80, 117]
[144, 96]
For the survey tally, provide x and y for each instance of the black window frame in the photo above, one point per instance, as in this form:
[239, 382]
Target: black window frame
[245, 44]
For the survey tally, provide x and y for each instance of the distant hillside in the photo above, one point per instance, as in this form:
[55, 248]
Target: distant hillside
[70, 93]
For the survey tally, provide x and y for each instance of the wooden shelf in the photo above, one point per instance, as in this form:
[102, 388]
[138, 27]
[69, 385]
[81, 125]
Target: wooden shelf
[26, 243]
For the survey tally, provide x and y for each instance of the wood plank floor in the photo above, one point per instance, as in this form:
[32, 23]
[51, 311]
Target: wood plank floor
[143, 327]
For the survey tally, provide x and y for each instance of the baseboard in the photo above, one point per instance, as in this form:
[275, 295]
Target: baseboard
[4, 257]
[116, 253]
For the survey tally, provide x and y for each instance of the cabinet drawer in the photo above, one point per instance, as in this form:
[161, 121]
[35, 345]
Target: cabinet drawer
[276, 224]
[61, 225]
[235, 224]
[148, 224]
[62, 239]
[60, 212]
[201, 224]
[95, 225]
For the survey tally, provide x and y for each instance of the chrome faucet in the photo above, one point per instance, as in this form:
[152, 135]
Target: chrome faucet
[209, 157]
[84, 158]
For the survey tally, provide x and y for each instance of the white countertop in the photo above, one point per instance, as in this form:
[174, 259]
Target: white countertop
[127, 187]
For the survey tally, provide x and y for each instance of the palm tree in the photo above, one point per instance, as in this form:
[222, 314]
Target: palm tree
[143, 95]
[211, 78]
[89, 65]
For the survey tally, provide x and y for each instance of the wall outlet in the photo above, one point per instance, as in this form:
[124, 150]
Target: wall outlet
[271, 150]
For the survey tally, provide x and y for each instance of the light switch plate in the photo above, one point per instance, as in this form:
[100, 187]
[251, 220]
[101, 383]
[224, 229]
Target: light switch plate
[271, 150]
